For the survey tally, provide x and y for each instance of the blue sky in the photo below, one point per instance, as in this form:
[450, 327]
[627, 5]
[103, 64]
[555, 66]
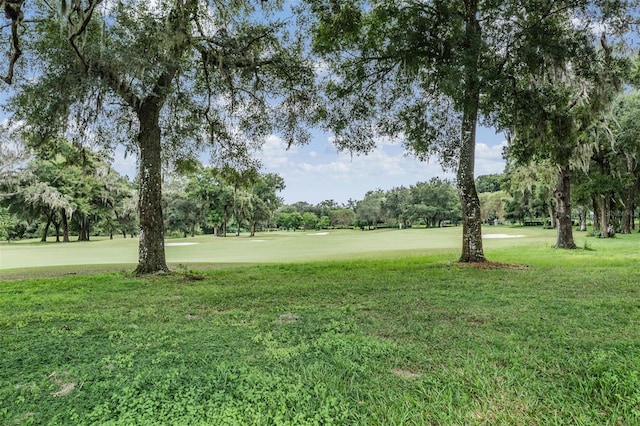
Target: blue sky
[317, 171]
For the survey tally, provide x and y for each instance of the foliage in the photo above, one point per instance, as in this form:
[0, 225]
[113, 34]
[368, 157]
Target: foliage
[369, 209]
[427, 71]
[290, 221]
[7, 223]
[212, 197]
[167, 80]
[492, 205]
[434, 202]
[489, 183]
[70, 187]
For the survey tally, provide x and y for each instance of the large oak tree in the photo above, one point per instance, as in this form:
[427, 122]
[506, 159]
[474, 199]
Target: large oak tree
[165, 78]
[429, 70]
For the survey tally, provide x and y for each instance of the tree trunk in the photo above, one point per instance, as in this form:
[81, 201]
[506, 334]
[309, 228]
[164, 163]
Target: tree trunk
[552, 216]
[84, 231]
[151, 256]
[596, 213]
[563, 209]
[46, 228]
[56, 226]
[613, 218]
[627, 215]
[583, 220]
[604, 222]
[471, 220]
[65, 227]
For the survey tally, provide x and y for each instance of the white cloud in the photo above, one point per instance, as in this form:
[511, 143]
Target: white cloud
[318, 172]
[275, 155]
[125, 164]
[489, 158]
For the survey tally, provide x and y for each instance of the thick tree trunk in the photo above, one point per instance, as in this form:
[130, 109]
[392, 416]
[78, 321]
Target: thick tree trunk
[151, 256]
[563, 208]
[471, 219]
[84, 231]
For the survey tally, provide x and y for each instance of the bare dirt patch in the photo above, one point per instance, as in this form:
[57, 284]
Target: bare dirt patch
[65, 385]
[288, 318]
[405, 374]
[494, 265]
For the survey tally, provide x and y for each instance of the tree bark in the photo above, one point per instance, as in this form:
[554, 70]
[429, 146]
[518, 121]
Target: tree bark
[151, 256]
[604, 215]
[56, 226]
[84, 228]
[472, 250]
[627, 215]
[46, 228]
[65, 227]
[552, 215]
[563, 197]
[596, 213]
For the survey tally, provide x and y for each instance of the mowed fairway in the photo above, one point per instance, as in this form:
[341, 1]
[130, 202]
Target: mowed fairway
[267, 247]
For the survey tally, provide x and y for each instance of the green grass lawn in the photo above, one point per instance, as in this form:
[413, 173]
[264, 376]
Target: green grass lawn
[390, 335]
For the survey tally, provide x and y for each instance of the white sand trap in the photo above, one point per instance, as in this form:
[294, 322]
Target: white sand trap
[179, 244]
[501, 236]
[258, 241]
[319, 233]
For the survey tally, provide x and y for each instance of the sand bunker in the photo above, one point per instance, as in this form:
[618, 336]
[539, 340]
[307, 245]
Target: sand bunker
[501, 236]
[179, 244]
[319, 233]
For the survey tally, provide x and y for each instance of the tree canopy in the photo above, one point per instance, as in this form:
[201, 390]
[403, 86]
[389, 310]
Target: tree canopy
[165, 78]
[428, 71]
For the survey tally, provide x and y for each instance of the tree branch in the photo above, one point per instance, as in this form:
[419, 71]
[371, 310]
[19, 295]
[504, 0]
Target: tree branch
[13, 11]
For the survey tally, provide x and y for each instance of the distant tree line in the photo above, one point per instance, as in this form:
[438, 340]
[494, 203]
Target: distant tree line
[427, 204]
[65, 188]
